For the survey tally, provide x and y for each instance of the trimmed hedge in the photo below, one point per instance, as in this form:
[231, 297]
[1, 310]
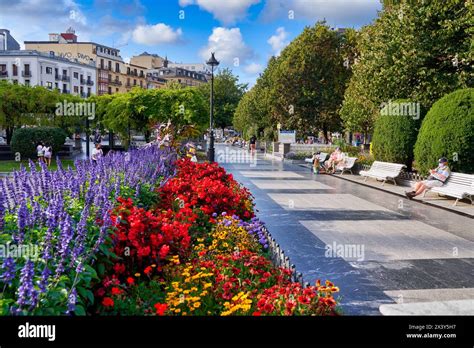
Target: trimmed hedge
[25, 140]
[394, 137]
[448, 130]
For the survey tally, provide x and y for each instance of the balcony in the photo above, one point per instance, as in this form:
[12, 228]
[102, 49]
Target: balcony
[115, 82]
[65, 78]
[90, 83]
[83, 82]
[26, 73]
[65, 91]
[3, 74]
[104, 80]
[128, 85]
[85, 95]
[57, 77]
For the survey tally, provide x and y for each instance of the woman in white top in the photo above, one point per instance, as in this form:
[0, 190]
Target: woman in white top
[40, 152]
[97, 153]
[48, 153]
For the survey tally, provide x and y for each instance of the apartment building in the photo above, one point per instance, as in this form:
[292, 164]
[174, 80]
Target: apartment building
[148, 60]
[113, 75]
[33, 68]
[153, 81]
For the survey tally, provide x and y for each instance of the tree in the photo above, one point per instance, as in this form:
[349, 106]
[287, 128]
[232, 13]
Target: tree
[417, 50]
[227, 94]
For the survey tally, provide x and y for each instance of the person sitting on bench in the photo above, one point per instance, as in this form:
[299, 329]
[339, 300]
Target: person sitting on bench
[335, 158]
[437, 178]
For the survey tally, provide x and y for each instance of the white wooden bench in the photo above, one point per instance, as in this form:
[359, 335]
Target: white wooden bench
[458, 185]
[383, 171]
[322, 157]
[346, 165]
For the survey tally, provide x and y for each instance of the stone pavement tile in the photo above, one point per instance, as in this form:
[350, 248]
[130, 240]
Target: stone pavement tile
[455, 307]
[397, 240]
[328, 201]
[429, 295]
[290, 184]
[270, 174]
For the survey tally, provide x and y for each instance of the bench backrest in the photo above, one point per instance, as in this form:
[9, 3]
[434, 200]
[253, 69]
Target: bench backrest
[461, 180]
[386, 167]
[322, 156]
[350, 161]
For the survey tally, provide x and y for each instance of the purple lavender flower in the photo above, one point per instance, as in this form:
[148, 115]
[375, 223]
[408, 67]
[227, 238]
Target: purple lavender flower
[27, 295]
[71, 301]
[9, 271]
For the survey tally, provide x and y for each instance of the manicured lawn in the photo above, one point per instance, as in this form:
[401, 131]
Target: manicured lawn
[8, 166]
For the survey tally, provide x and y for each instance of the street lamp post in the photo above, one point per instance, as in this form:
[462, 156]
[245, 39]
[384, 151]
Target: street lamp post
[212, 62]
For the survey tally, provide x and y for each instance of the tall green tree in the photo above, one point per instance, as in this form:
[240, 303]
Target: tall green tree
[417, 50]
[227, 94]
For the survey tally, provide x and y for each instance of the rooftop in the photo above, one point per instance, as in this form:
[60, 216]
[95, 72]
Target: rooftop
[23, 53]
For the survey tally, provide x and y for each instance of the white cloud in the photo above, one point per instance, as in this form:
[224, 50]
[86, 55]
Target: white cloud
[253, 68]
[341, 13]
[156, 34]
[228, 45]
[278, 41]
[226, 11]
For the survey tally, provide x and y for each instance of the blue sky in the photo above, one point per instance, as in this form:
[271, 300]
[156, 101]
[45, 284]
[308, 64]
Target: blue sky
[243, 33]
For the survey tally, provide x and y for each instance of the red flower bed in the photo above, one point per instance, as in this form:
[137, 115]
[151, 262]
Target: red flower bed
[209, 187]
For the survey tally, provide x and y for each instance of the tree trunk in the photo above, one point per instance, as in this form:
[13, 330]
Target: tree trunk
[9, 131]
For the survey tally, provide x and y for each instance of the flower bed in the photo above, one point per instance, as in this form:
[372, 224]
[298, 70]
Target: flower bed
[201, 251]
[143, 234]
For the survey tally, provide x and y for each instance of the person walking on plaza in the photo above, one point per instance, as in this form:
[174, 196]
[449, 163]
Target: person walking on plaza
[48, 153]
[253, 144]
[40, 151]
[97, 153]
[437, 178]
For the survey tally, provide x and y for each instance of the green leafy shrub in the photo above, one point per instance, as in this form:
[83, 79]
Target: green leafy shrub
[448, 130]
[25, 140]
[395, 136]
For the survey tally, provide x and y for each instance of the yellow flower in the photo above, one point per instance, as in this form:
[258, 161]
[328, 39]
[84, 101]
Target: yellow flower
[197, 304]
[137, 274]
[177, 310]
[153, 265]
[207, 285]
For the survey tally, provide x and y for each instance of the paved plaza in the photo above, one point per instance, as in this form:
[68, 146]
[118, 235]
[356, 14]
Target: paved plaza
[395, 256]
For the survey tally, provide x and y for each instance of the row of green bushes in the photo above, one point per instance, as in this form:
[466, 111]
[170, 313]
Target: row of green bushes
[447, 130]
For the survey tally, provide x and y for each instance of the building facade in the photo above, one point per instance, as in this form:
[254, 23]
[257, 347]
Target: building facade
[148, 60]
[113, 74]
[153, 81]
[33, 68]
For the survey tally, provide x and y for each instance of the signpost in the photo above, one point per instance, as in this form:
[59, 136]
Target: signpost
[287, 136]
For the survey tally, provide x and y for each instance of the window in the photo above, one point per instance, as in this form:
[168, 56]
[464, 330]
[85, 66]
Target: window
[101, 63]
[141, 83]
[56, 85]
[116, 90]
[49, 85]
[76, 89]
[15, 70]
[82, 90]
[110, 65]
[64, 88]
[134, 82]
[51, 53]
[3, 67]
[88, 91]
[65, 72]
[27, 68]
[49, 70]
[76, 75]
[117, 67]
[110, 90]
[27, 82]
